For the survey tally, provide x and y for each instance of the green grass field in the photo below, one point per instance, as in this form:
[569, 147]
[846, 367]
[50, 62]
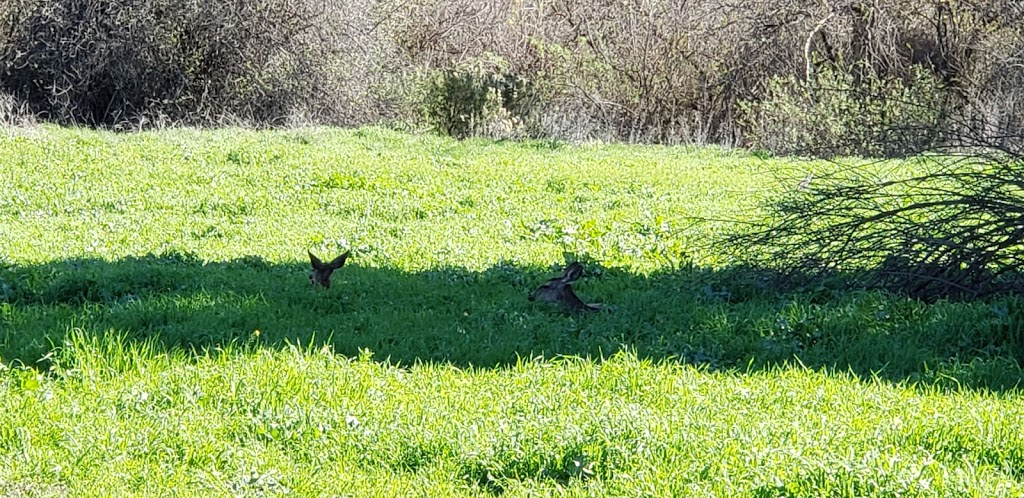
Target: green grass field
[159, 336]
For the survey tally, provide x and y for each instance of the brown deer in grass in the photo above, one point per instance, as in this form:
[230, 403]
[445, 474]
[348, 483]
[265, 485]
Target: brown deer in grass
[321, 274]
[559, 290]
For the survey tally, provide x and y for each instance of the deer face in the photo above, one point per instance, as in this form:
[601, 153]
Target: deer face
[321, 273]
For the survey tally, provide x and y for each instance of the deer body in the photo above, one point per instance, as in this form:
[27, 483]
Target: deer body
[559, 290]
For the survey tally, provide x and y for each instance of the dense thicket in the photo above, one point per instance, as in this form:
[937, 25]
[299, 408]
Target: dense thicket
[786, 76]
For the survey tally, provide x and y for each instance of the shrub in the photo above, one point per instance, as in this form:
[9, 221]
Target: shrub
[104, 62]
[836, 115]
[479, 97]
[946, 224]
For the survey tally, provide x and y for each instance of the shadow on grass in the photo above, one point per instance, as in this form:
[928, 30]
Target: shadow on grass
[722, 319]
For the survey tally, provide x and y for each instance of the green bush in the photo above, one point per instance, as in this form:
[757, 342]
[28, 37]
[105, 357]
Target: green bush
[847, 112]
[479, 97]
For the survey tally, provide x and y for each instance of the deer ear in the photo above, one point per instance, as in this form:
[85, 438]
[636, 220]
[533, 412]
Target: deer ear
[315, 261]
[339, 261]
[573, 273]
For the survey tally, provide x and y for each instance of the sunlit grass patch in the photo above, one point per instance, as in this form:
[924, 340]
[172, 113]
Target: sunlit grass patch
[307, 421]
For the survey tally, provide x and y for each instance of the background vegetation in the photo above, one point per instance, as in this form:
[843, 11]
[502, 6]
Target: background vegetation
[798, 75]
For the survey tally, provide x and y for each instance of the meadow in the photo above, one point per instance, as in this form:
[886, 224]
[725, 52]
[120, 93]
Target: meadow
[159, 336]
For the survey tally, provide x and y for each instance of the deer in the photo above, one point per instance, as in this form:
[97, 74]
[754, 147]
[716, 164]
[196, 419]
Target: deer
[558, 290]
[321, 273]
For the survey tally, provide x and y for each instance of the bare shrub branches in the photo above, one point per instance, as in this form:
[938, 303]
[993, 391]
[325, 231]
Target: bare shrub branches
[108, 62]
[660, 70]
[944, 225]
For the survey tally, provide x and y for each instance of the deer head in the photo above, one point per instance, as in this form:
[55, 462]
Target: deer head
[321, 274]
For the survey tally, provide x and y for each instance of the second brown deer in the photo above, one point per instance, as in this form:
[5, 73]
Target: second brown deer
[558, 290]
